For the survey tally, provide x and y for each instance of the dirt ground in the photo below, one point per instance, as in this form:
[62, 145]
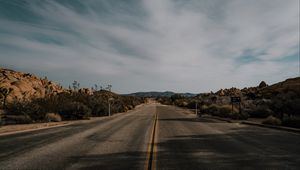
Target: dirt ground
[23, 127]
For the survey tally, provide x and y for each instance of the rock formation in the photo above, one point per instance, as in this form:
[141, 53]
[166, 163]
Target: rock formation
[262, 84]
[23, 86]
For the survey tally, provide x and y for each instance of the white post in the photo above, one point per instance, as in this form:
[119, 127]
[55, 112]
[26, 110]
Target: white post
[109, 100]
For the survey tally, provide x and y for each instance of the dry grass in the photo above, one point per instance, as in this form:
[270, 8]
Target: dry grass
[53, 117]
[271, 120]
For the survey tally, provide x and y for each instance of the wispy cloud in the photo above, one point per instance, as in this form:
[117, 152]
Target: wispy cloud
[153, 45]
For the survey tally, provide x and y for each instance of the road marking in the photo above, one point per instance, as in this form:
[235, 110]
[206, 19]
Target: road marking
[154, 160]
[150, 163]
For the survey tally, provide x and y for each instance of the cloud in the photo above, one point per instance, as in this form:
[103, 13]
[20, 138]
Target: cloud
[175, 45]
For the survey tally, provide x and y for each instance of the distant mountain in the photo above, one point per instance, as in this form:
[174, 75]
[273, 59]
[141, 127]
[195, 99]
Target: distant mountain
[159, 94]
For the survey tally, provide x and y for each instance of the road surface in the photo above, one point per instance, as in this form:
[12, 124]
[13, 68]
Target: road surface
[152, 137]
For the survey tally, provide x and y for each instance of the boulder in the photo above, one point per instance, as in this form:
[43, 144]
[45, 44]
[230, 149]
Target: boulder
[262, 84]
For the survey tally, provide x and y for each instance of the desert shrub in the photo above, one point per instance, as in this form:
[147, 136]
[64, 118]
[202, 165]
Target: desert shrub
[180, 103]
[17, 119]
[239, 116]
[261, 111]
[131, 101]
[117, 106]
[203, 108]
[164, 100]
[291, 122]
[99, 109]
[72, 105]
[287, 102]
[212, 109]
[227, 109]
[228, 112]
[192, 104]
[74, 110]
[53, 117]
[271, 120]
[175, 97]
[224, 111]
[26, 108]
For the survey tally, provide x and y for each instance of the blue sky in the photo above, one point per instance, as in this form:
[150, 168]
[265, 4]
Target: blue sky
[142, 45]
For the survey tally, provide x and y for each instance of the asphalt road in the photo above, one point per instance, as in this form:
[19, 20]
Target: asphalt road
[185, 142]
[167, 136]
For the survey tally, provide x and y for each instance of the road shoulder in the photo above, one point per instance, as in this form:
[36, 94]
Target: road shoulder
[21, 128]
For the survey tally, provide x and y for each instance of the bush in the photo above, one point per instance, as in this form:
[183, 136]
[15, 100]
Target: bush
[271, 120]
[239, 116]
[291, 122]
[192, 104]
[212, 109]
[227, 109]
[75, 110]
[71, 106]
[286, 102]
[203, 108]
[224, 111]
[17, 119]
[53, 117]
[180, 103]
[261, 111]
[31, 109]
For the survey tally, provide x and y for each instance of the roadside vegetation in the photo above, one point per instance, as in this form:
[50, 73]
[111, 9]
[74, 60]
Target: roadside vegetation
[69, 105]
[277, 104]
[26, 98]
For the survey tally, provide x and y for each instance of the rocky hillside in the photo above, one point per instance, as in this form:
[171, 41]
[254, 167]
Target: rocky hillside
[289, 85]
[280, 100]
[263, 90]
[26, 98]
[23, 86]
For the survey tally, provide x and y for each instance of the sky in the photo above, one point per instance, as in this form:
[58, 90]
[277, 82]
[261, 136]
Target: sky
[152, 45]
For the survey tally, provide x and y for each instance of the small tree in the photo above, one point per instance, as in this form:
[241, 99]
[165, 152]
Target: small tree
[96, 87]
[109, 87]
[75, 85]
[4, 93]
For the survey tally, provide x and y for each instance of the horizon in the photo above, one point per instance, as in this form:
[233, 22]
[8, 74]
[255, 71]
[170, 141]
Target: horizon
[141, 46]
[155, 91]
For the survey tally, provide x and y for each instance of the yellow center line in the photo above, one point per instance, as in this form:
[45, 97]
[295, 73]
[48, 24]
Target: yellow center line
[154, 160]
[150, 163]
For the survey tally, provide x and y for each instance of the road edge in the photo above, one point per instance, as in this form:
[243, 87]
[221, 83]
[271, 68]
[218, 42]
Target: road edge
[34, 129]
[272, 127]
[257, 124]
[66, 123]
